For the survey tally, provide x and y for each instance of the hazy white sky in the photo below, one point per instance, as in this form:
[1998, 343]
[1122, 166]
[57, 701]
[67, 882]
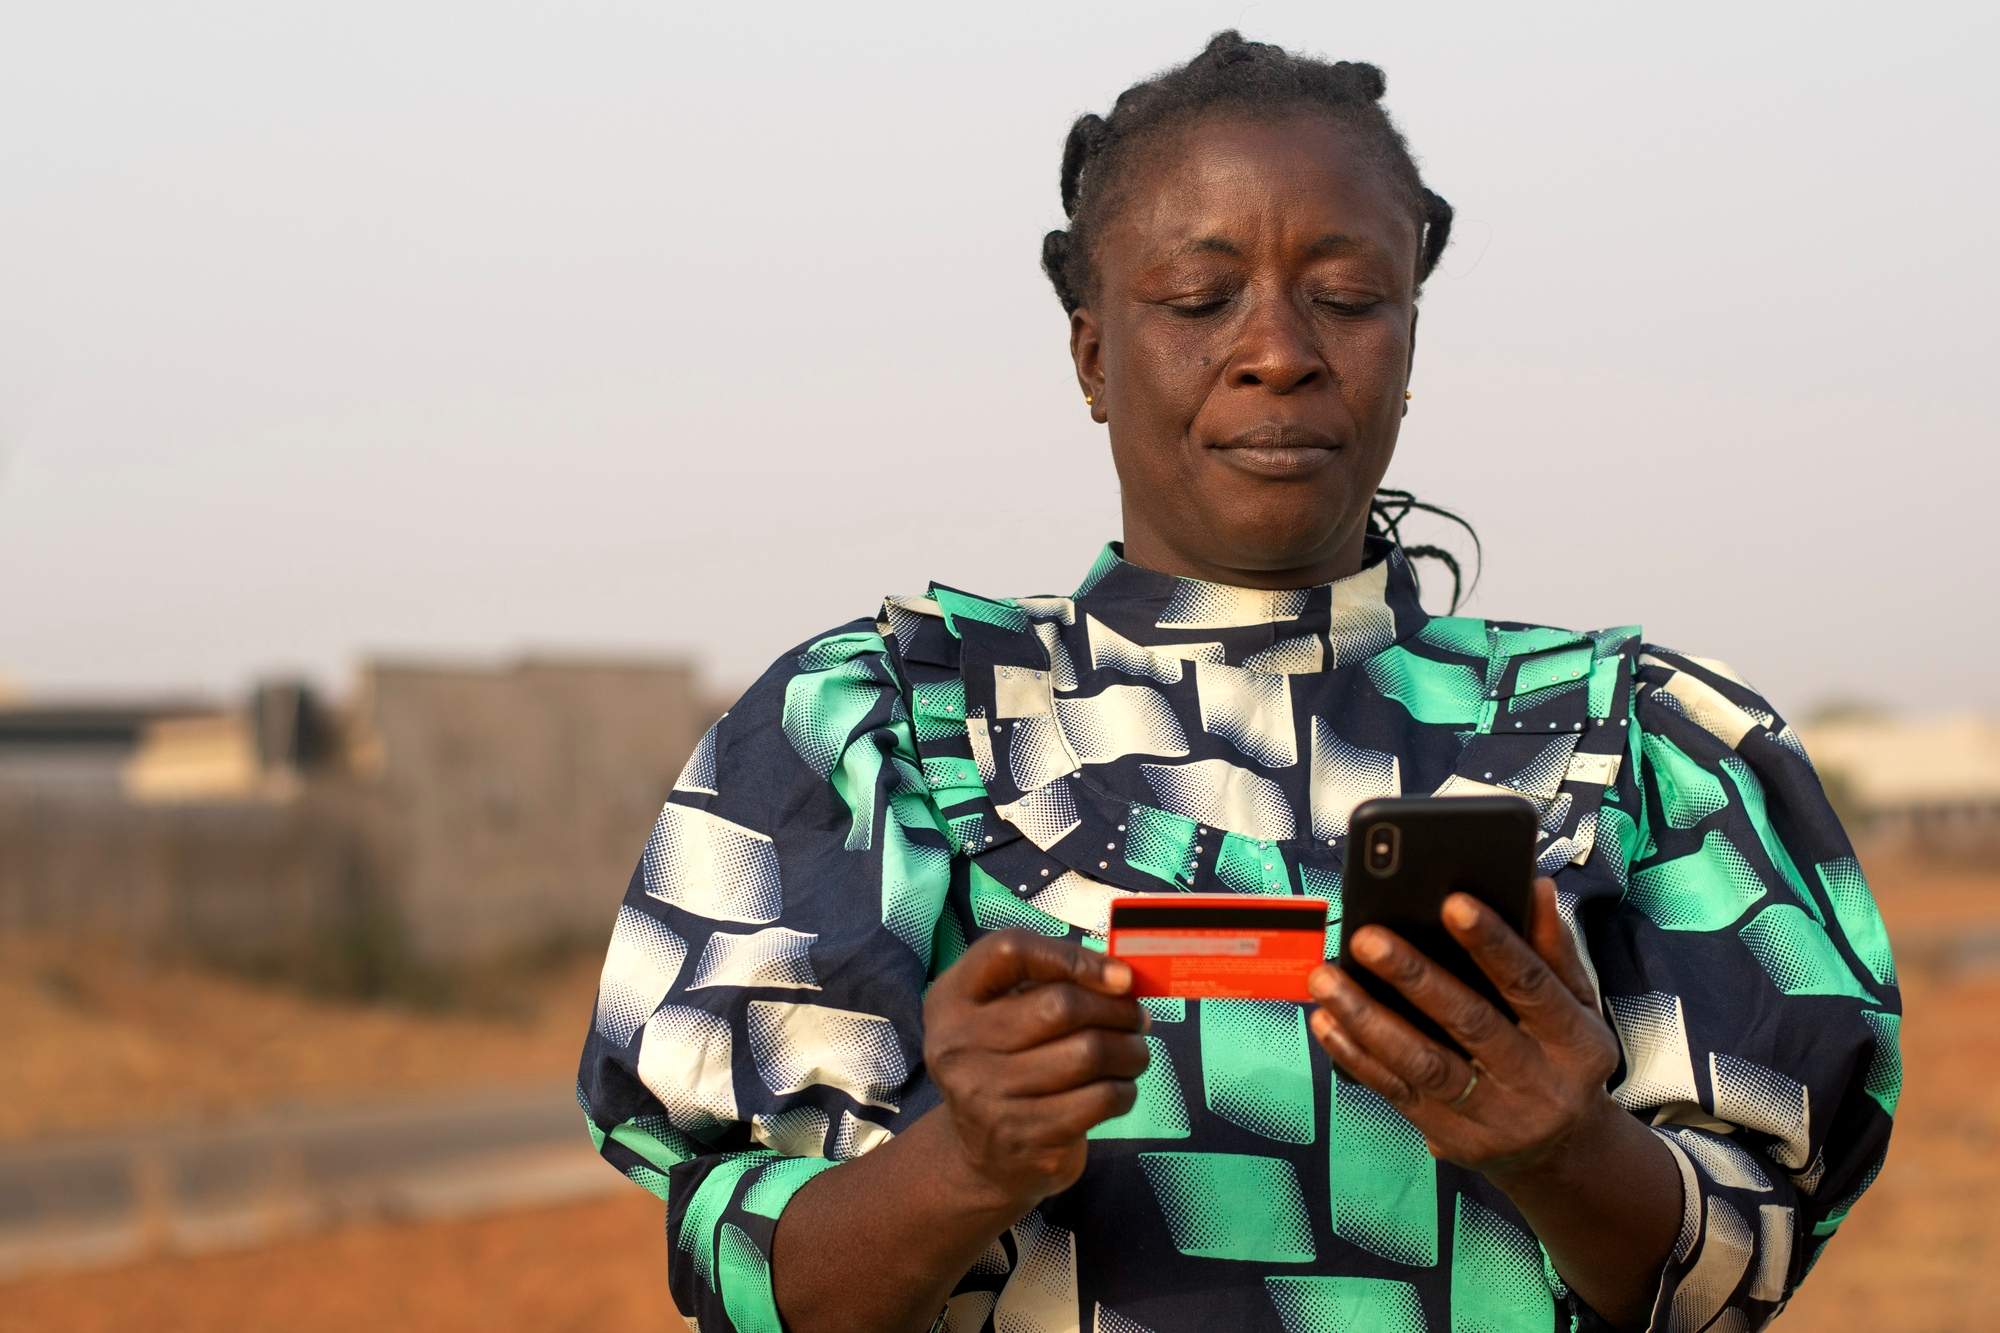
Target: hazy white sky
[472, 328]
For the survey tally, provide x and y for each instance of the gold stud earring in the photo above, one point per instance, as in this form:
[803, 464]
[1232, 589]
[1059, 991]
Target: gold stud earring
[1406, 395]
[1088, 400]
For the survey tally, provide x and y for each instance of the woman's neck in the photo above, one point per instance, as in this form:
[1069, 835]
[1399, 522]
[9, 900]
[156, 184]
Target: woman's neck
[1243, 569]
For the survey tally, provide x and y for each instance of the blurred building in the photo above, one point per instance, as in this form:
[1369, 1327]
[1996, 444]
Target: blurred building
[439, 815]
[1932, 783]
[512, 805]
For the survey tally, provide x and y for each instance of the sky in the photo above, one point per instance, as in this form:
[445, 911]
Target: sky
[473, 330]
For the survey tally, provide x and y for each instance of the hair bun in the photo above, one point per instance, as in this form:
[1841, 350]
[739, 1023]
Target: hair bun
[1055, 263]
[1368, 79]
[1086, 137]
[1437, 231]
[1224, 42]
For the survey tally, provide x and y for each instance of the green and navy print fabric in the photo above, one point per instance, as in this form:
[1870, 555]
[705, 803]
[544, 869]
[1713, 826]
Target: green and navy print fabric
[891, 791]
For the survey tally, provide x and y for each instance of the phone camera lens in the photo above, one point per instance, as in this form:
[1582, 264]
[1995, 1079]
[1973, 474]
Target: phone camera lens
[1382, 843]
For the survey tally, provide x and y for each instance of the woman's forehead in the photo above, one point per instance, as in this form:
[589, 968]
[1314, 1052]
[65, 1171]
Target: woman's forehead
[1221, 187]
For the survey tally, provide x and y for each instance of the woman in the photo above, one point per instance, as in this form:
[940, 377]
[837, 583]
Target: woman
[853, 1027]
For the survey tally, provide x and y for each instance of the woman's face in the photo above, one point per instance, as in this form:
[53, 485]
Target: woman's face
[1248, 346]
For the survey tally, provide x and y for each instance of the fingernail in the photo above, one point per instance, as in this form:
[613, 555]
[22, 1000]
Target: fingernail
[1370, 947]
[1145, 1019]
[1459, 911]
[1320, 983]
[1117, 975]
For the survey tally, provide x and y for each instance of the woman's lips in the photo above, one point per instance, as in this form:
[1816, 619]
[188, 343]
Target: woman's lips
[1278, 452]
[1278, 459]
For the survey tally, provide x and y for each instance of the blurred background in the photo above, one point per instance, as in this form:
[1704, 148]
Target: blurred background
[418, 421]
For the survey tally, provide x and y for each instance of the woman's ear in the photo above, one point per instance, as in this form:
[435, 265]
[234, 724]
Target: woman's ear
[1087, 351]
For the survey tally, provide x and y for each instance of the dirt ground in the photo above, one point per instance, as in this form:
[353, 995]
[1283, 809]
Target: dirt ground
[95, 1038]
[587, 1268]
[1920, 1253]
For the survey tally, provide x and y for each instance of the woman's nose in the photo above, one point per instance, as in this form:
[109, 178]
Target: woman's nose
[1276, 350]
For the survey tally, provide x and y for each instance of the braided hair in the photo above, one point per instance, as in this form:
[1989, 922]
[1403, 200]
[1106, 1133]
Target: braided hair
[1237, 78]
[1256, 80]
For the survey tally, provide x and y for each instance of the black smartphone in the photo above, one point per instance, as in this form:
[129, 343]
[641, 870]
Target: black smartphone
[1406, 855]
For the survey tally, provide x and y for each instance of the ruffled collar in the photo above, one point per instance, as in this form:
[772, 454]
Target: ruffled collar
[1286, 630]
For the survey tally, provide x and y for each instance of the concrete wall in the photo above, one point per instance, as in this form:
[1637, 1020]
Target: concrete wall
[242, 883]
[516, 802]
[459, 814]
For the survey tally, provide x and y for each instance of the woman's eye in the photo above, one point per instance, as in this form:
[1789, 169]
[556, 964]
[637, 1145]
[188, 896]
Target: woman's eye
[1194, 307]
[1346, 303]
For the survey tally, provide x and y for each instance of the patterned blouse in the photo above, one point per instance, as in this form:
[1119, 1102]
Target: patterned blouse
[890, 792]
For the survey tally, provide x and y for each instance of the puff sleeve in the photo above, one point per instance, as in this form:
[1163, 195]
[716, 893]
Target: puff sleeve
[759, 1014]
[1749, 979]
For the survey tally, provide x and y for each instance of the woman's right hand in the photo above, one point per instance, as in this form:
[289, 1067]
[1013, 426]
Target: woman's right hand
[1032, 1041]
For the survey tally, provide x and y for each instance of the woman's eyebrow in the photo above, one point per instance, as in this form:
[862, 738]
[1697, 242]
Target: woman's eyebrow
[1332, 244]
[1335, 243]
[1213, 245]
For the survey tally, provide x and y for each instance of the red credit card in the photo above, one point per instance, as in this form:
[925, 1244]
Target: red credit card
[1219, 946]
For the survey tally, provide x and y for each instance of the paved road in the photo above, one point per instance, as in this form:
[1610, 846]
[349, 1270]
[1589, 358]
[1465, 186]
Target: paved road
[111, 1197]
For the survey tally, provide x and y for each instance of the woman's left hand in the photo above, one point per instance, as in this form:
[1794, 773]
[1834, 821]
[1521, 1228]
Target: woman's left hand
[1536, 1087]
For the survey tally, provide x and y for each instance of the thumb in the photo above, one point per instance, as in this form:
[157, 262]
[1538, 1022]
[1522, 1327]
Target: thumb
[1009, 959]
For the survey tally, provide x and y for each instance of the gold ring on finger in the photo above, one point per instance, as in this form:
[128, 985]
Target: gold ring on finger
[1470, 1084]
